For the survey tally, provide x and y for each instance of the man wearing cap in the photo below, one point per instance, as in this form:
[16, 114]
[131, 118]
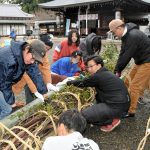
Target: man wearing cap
[90, 45]
[13, 62]
[41, 79]
[42, 70]
[136, 45]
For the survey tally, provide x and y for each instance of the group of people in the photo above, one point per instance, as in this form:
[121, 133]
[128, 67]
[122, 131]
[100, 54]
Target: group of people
[116, 99]
[26, 64]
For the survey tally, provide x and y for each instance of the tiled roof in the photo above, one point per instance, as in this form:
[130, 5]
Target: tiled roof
[65, 3]
[70, 3]
[12, 10]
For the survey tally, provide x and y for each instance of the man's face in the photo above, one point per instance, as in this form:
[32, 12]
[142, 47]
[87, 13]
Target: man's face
[92, 67]
[28, 57]
[76, 60]
[118, 31]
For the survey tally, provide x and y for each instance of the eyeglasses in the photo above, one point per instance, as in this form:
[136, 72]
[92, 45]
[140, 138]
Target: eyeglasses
[90, 66]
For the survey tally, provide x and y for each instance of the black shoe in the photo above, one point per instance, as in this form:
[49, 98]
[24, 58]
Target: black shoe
[128, 115]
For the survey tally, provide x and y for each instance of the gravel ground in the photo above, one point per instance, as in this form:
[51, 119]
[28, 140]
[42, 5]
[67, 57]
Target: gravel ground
[126, 136]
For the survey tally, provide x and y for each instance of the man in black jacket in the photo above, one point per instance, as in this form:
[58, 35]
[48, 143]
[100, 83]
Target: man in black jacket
[112, 98]
[136, 45]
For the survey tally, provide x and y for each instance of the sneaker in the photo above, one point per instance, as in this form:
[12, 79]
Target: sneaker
[110, 127]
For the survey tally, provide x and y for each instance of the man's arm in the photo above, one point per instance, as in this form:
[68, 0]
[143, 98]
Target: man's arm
[36, 77]
[91, 81]
[128, 49]
[56, 52]
[45, 70]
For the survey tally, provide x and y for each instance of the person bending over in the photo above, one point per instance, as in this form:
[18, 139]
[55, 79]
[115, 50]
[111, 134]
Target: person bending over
[68, 66]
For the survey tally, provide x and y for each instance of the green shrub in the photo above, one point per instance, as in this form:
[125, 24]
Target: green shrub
[110, 55]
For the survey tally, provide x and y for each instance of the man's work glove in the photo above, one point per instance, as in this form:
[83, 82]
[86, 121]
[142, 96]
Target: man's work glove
[40, 96]
[51, 87]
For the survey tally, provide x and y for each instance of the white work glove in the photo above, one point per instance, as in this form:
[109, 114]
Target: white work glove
[40, 96]
[51, 87]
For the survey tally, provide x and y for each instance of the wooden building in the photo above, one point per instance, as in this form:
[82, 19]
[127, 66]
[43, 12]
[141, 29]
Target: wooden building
[11, 16]
[94, 15]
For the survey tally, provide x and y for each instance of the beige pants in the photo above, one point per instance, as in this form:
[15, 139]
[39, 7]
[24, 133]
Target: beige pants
[137, 81]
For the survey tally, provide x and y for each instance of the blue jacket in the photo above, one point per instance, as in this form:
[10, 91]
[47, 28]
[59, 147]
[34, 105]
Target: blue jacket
[12, 68]
[36, 76]
[64, 67]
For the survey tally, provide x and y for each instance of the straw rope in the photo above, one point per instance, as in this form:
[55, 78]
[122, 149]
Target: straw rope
[12, 133]
[10, 143]
[147, 133]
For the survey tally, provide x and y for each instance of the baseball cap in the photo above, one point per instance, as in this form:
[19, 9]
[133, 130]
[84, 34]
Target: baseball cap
[115, 23]
[38, 50]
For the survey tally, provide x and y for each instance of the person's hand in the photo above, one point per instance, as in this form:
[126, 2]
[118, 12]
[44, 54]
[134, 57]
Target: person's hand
[77, 74]
[51, 87]
[118, 74]
[74, 82]
[40, 96]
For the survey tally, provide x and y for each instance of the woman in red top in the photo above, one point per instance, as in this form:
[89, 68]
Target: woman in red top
[67, 46]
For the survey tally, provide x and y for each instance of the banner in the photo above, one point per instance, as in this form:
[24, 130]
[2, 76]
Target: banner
[67, 26]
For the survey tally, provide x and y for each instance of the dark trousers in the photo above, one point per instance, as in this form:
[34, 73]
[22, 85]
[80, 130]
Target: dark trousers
[29, 95]
[103, 114]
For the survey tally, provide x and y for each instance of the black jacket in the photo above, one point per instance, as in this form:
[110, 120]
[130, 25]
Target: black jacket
[110, 89]
[86, 45]
[136, 45]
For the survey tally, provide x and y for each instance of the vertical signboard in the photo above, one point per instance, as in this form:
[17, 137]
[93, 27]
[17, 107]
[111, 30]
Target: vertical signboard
[67, 26]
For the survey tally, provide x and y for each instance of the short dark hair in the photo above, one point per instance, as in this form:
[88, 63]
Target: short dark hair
[48, 43]
[25, 45]
[96, 58]
[70, 37]
[76, 53]
[73, 120]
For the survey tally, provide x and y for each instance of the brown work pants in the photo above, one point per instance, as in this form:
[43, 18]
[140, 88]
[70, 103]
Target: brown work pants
[137, 81]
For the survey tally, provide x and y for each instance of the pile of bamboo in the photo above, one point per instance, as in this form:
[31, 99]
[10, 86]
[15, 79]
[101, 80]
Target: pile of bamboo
[28, 134]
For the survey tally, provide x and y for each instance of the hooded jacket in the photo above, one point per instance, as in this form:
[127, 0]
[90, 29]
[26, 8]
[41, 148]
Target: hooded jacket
[136, 45]
[86, 45]
[46, 76]
[12, 68]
